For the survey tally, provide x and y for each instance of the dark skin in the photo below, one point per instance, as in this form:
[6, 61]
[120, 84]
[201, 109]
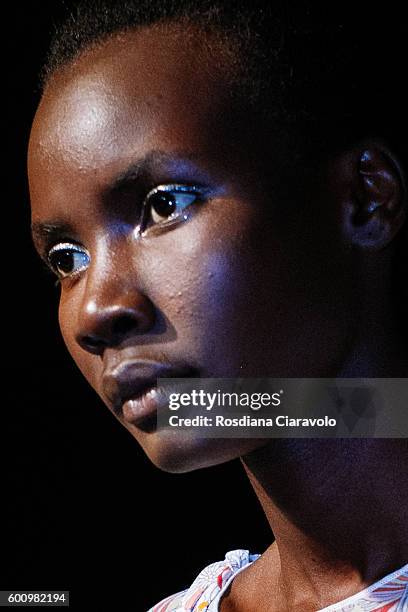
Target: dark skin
[194, 295]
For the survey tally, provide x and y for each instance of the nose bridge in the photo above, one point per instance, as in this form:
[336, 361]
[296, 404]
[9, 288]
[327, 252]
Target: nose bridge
[109, 275]
[113, 306]
[105, 276]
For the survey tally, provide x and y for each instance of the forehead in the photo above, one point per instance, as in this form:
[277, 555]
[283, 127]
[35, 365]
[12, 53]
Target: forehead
[166, 84]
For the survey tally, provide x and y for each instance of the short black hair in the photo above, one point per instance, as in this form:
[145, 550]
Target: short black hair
[327, 76]
[329, 70]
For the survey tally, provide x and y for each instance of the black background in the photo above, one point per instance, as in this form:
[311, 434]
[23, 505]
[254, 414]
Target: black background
[82, 507]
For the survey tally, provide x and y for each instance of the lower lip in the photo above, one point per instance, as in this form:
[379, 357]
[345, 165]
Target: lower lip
[144, 406]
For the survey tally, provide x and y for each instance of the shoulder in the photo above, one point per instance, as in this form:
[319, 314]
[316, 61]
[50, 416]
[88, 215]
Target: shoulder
[207, 585]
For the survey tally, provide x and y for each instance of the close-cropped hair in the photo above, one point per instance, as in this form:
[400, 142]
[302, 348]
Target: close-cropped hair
[321, 78]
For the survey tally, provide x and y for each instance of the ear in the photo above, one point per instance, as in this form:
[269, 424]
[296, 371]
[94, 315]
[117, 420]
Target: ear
[379, 198]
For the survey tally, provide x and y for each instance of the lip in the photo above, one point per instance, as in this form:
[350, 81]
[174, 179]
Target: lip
[131, 387]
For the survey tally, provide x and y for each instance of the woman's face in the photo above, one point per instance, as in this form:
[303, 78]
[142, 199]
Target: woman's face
[242, 283]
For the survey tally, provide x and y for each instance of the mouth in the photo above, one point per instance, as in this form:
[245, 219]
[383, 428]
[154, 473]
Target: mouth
[132, 390]
[141, 409]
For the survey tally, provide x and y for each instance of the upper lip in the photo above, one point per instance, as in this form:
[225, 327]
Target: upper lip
[129, 378]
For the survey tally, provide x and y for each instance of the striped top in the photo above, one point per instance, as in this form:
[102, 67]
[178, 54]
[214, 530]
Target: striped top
[390, 594]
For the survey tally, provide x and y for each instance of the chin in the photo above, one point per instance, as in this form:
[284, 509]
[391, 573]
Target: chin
[179, 453]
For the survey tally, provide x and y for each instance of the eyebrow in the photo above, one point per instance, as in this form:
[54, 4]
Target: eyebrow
[153, 162]
[45, 233]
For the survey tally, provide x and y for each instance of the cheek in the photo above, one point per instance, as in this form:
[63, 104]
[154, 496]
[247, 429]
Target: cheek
[207, 283]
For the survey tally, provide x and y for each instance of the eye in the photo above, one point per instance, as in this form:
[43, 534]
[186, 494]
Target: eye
[168, 204]
[66, 259]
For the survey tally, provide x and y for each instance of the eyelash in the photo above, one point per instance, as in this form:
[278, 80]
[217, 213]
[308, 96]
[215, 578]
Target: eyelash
[63, 248]
[199, 193]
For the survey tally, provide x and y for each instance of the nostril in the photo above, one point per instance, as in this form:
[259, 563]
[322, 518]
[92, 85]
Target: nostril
[123, 325]
[92, 343]
[108, 331]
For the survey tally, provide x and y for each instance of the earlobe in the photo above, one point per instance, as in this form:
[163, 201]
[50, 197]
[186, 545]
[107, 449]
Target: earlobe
[380, 210]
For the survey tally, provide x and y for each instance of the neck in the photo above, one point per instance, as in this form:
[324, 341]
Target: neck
[378, 348]
[336, 507]
[378, 351]
[330, 504]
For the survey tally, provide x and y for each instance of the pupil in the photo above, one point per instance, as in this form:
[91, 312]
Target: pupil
[64, 261]
[164, 204]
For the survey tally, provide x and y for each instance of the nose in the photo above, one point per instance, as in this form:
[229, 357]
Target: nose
[111, 314]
